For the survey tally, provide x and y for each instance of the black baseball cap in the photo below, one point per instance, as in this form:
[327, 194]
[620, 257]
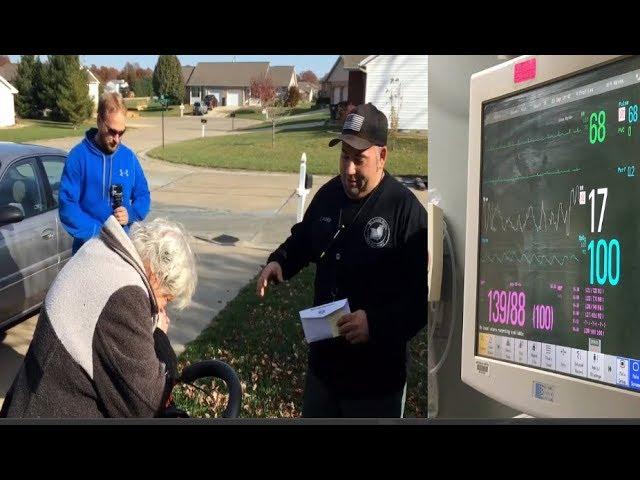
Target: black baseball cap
[364, 127]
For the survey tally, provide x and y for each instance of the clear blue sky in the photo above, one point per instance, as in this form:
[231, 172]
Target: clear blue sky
[319, 64]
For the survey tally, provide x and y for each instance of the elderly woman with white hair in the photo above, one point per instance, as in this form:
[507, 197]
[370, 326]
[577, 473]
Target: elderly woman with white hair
[100, 347]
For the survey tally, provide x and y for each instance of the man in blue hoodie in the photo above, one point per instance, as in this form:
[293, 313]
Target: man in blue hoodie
[96, 164]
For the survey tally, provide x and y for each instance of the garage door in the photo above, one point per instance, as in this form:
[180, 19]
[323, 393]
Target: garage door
[232, 99]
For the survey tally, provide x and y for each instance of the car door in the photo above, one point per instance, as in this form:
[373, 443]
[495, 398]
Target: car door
[28, 249]
[53, 166]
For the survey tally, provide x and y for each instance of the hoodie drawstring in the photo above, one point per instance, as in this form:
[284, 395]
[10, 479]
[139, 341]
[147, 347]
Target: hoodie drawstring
[110, 172]
[103, 172]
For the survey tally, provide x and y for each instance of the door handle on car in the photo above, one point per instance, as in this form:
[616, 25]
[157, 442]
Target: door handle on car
[47, 234]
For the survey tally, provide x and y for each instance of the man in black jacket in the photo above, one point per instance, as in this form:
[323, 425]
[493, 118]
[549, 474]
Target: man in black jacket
[367, 235]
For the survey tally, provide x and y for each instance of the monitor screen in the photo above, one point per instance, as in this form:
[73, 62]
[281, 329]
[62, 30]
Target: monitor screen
[558, 287]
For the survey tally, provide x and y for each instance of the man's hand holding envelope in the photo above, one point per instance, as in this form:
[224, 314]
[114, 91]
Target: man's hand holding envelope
[354, 326]
[335, 319]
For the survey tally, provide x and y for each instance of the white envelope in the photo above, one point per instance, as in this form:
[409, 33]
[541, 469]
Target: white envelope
[319, 322]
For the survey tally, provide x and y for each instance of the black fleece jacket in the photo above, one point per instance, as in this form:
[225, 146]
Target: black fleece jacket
[378, 262]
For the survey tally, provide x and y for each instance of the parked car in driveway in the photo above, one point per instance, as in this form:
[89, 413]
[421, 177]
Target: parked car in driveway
[211, 101]
[199, 108]
[34, 245]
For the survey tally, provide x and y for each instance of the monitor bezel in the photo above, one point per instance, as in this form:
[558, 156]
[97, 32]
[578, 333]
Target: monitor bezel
[509, 383]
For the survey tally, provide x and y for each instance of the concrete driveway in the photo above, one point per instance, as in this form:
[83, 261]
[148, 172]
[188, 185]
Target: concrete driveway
[256, 208]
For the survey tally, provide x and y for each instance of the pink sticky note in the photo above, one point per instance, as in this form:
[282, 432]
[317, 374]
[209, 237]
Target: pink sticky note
[524, 71]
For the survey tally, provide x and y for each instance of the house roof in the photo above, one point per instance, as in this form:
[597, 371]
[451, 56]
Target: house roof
[91, 78]
[326, 77]
[7, 85]
[351, 62]
[364, 62]
[187, 70]
[306, 86]
[227, 74]
[9, 71]
[281, 75]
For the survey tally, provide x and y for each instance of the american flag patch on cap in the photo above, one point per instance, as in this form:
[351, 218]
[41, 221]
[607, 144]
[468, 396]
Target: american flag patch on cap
[353, 122]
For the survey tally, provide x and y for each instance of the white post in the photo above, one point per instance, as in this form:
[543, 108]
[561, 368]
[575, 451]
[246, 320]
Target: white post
[203, 130]
[301, 191]
[181, 110]
[303, 173]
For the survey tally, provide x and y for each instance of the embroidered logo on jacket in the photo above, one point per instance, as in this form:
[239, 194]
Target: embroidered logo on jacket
[377, 232]
[124, 173]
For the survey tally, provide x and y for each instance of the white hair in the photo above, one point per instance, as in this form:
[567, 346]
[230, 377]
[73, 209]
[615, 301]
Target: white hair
[164, 246]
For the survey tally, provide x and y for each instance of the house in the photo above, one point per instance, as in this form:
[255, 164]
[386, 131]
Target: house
[116, 86]
[283, 77]
[308, 91]
[94, 89]
[345, 80]
[399, 82]
[187, 70]
[229, 82]
[7, 104]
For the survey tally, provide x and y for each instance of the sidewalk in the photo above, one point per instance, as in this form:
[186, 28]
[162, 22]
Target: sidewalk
[256, 208]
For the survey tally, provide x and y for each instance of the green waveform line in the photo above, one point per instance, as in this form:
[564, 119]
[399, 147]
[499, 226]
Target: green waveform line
[535, 175]
[540, 259]
[550, 136]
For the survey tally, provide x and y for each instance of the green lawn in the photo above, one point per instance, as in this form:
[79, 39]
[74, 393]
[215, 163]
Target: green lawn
[155, 110]
[262, 339]
[253, 151]
[289, 120]
[255, 113]
[42, 130]
[250, 113]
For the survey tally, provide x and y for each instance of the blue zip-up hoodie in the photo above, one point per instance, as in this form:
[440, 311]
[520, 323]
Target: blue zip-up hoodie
[85, 201]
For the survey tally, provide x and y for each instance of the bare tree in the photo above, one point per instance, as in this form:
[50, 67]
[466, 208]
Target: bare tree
[129, 73]
[263, 89]
[308, 76]
[394, 100]
[105, 74]
[4, 59]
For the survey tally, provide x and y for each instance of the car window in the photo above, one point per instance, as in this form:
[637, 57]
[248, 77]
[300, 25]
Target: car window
[19, 186]
[53, 166]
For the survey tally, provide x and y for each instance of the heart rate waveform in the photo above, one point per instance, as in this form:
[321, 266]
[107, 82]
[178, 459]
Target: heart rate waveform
[544, 138]
[529, 257]
[529, 177]
[532, 218]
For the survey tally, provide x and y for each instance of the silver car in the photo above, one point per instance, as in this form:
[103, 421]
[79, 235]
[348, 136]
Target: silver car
[33, 243]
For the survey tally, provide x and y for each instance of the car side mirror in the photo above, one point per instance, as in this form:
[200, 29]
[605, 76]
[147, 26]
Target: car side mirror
[10, 214]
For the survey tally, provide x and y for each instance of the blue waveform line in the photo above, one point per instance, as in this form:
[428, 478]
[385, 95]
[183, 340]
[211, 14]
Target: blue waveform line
[493, 218]
[513, 257]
